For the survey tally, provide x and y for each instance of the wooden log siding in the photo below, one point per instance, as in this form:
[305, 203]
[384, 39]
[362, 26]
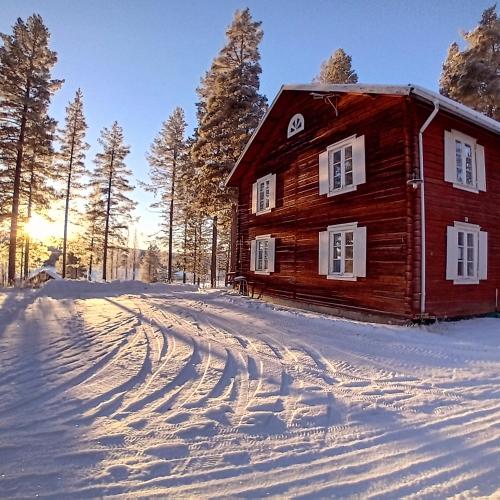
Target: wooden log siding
[446, 204]
[384, 204]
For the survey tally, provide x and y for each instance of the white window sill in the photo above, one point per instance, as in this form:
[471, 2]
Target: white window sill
[341, 277]
[265, 273]
[464, 187]
[343, 190]
[261, 212]
[461, 281]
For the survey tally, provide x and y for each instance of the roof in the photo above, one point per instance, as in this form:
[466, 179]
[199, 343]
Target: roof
[50, 271]
[445, 103]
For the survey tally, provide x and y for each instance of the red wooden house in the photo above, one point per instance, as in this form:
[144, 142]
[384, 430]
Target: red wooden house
[371, 201]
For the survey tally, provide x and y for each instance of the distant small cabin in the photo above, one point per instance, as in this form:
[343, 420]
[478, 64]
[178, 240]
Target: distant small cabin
[41, 275]
[371, 201]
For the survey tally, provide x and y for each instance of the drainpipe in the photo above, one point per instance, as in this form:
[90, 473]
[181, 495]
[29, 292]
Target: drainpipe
[422, 207]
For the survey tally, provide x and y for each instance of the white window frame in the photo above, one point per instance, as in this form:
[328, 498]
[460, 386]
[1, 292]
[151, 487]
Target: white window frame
[326, 249]
[259, 186]
[457, 253]
[295, 125]
[358, 167]
[256, 262]
[477, 162]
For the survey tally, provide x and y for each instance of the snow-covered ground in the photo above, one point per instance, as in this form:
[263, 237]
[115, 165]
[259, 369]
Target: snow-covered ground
[135, 390]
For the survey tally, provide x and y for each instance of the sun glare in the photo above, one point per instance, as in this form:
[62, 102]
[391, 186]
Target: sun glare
[39, 228]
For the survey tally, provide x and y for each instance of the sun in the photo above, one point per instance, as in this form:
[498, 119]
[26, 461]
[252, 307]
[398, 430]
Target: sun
[39, 228]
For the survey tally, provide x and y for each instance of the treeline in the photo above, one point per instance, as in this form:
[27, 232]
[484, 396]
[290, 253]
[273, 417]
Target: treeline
[33, 176]
[187, 174]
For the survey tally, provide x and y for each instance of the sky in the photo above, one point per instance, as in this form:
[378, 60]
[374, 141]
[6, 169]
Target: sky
[135, 61]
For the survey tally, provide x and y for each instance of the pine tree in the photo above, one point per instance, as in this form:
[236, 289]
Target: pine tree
[472, 76]
[37, 192]
[71, 159]
[166, 156]
[25, 91]
[151, 263]
[95, 216]
[230, 109]
[111, 177]
[337, 69]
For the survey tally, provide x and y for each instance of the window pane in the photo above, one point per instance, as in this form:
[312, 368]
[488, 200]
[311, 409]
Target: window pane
[460, 270]
[348, 179]
[348, 266]
[266, 197]
[470, 269]
[348, 252]
[348, 152]
[458, 159]
[337, 183]
[336, 156]
[470, 239]
[348, 165]
[460, 253]
[336, 266]
[468, 165]
[460, 238]
[349, 238]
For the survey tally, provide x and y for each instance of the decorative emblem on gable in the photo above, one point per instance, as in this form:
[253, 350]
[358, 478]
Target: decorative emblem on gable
[295, 125]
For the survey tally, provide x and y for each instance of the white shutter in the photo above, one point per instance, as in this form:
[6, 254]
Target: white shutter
[483, 255]
[358, 160]
[324, 185]
[451, 253]
[450, 167]
[271, 249]
[253, 245]
[272, 191]
[480, 168]
[359, 252]
[254, 198]
[324, 244]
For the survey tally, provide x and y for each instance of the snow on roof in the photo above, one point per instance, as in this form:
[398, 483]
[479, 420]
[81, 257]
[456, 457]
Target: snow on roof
[410, 89]
[51, 271]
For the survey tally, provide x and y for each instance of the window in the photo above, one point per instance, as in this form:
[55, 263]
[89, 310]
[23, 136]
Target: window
[295, 125]
[467, 250]
[342, 166]
[262, 251]
[464, 162]
[342, 252]
[264, 194]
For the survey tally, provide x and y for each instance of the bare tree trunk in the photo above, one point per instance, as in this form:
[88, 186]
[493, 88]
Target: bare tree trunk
[108, 210]
[16, 192]
[66, 209]
[213, 262]
[171, 217]
[234, 236]
[184, 265]
[195, 253]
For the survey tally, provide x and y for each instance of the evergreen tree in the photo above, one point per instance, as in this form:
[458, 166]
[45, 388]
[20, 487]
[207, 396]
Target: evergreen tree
[337, 69]
[25, 90]
[71, 159]
[151, 263]
[230, 109]
[95, 216]
[472, 76]
[166, 156]
[111, 177]
[37, 182]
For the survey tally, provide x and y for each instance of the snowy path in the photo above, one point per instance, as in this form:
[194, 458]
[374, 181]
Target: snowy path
[128, 389]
